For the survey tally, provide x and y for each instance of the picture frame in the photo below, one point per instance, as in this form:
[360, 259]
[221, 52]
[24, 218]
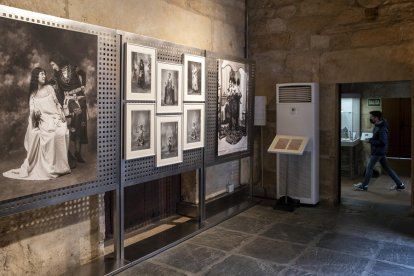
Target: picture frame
[139, 130]
[232, 107]
[194, 78]
[35, 161]
[140, 78]
[169, 140]
[194, 127]
[169, 87]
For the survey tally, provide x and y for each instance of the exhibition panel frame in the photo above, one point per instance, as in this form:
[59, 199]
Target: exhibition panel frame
[145, 169]
[107, 93]
[211, 148]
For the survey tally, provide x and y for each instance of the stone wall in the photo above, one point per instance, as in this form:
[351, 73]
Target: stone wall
[52, 240]
[59, 238]
[213, 25]
[329, 42]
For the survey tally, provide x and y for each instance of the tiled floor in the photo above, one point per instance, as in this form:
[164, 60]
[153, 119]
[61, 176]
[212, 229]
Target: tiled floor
[358, 238]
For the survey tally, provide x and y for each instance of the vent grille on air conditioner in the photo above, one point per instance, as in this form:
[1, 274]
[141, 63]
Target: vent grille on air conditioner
[295, 94]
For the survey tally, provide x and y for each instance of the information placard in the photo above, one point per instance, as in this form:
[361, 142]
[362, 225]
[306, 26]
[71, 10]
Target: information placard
[288, 144]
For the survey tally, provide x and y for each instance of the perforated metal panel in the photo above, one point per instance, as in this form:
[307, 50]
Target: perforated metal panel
[141, 170]
[108, 118]
[211, 157]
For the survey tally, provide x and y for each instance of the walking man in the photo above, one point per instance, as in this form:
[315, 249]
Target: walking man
[379, 146]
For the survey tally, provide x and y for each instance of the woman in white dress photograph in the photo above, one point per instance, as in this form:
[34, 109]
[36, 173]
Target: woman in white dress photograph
[194, 72]
[47, 136]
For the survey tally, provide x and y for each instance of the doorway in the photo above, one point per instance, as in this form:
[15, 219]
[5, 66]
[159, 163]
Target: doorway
[398, 111]
[393, 99]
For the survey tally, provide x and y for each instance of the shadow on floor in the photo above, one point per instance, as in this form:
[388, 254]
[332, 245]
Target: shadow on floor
[352, 239]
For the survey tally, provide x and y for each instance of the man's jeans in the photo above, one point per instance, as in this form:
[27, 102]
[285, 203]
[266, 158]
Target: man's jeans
[384, 163]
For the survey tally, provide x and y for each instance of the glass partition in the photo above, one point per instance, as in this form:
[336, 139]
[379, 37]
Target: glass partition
[350, 118]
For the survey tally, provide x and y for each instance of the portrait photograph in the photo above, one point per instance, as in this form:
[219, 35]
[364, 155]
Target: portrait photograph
[139, 131]
[169, 148]
[232, 107]
[194, 78]
[49, 111]
[193, 126]
[139, 72]
[169, 89]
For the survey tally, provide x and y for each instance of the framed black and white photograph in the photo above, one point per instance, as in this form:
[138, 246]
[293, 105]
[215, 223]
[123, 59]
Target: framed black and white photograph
[194, 78]
[193, 126]
[169, 88]
[232, 107]
[139, 72]
[48, 111]
[169, 143]
[139, 131]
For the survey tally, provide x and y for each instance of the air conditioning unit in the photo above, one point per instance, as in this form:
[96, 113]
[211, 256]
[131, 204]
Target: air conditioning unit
[297, 114]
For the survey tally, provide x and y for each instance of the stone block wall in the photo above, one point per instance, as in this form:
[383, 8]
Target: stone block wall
[329, 42]
[56, 239]
[52, 240]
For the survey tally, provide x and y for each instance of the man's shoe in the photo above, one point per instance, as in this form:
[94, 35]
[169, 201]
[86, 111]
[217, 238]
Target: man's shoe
[397, 187]
[360, 187]
[79, 157]
[71, 161]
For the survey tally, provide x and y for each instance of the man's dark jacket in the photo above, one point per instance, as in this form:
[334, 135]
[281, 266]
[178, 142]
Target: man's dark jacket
[379, 140]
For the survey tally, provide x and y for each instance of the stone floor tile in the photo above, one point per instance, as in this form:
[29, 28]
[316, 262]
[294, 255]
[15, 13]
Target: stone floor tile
[221, 238]
[292, 233]
[329, 262]
[385, 269]
[373, 227]
[190, 257]
[246, 224]
[314, 218]
[291, 271]
[240, 265]
[397, 253]
[266, 213]
[361, 219]
[350, 244]
[271, 250]
[150, 269]
[403, 229]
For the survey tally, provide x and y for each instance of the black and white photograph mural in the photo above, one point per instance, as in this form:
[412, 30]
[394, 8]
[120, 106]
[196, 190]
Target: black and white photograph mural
[139, 130]
[140, 72]
[194, 78]
[193, 126]
[169, 93]
[232, 107]
[48, 114]
[169, 148]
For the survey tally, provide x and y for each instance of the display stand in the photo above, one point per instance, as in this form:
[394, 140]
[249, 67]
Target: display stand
[290, 145]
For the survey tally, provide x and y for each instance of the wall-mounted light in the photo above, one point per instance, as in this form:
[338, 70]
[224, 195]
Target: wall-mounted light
[370, 7]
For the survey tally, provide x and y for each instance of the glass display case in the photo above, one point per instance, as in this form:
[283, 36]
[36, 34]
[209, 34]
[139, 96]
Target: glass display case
[350, 118]
[350, 133]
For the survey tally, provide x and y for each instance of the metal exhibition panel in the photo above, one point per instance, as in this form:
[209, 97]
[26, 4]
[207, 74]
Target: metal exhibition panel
[210, 154]
[111, 167]
[107, 79]
[144, 169]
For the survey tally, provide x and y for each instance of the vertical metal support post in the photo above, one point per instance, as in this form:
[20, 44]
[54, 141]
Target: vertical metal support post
[261, 156]
[202, 193]
[240, 168]
[118, 217]
[118, 209]
[251, 176]
[287, 180]
[246, 30]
